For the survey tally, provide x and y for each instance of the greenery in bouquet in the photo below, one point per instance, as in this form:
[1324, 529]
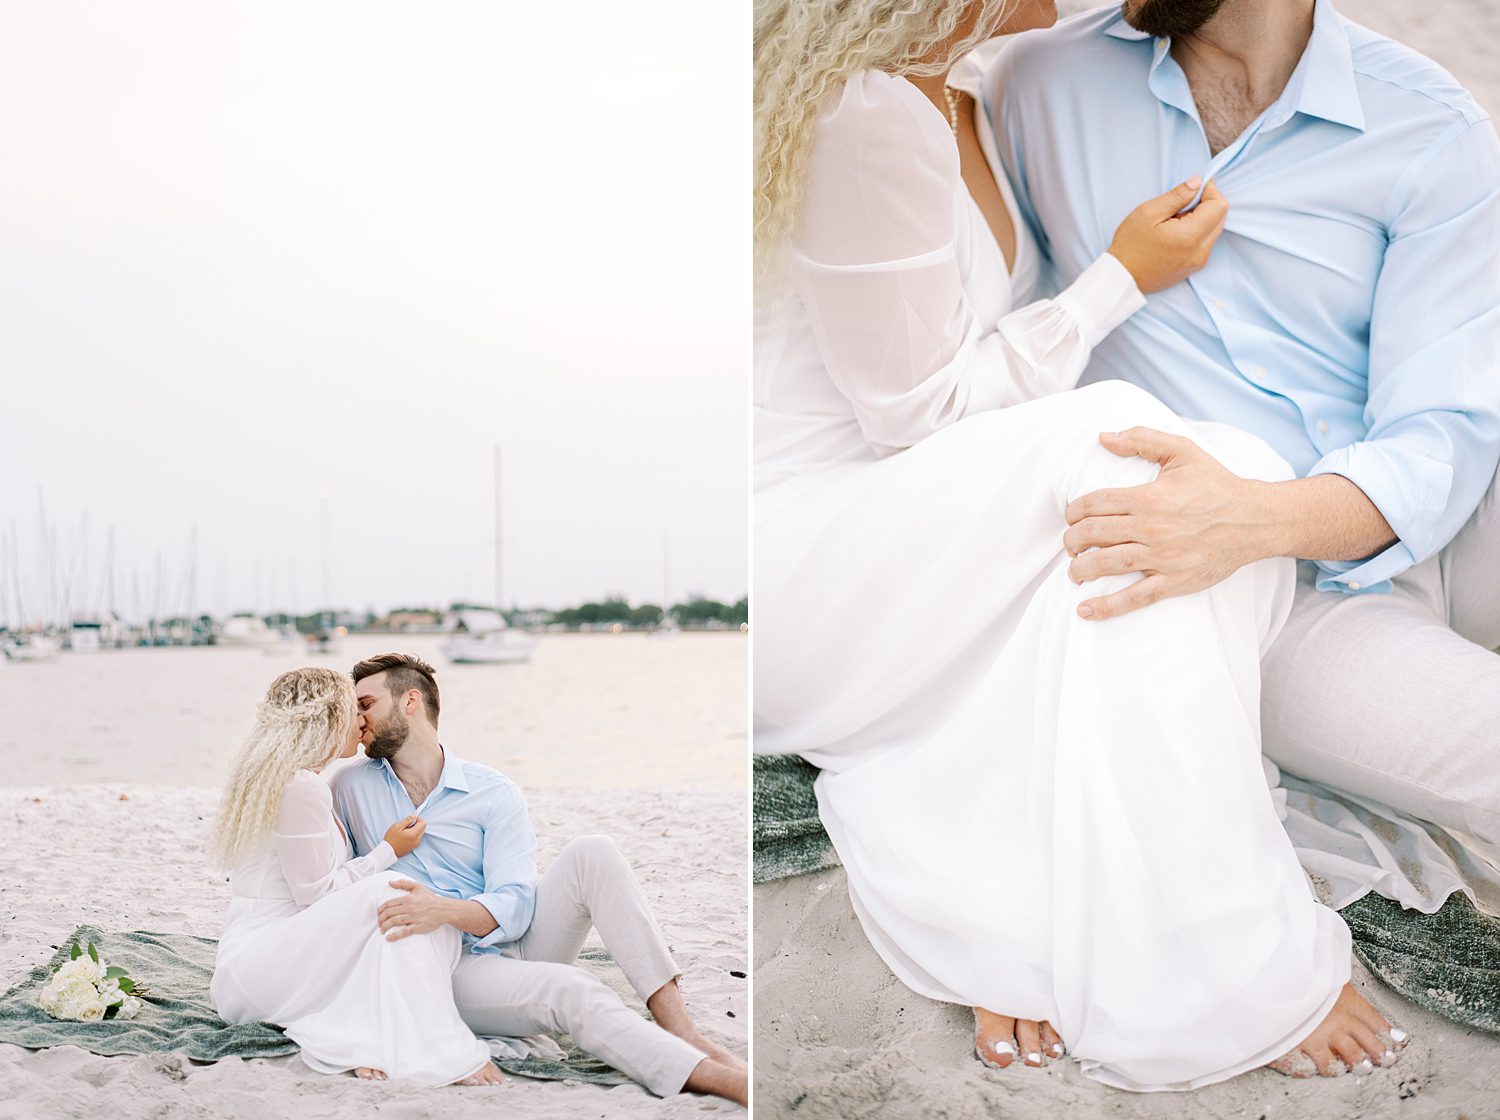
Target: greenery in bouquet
[87, 990]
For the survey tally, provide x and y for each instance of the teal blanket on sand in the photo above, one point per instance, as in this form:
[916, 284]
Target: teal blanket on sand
[1448, 962]
[178, 1018]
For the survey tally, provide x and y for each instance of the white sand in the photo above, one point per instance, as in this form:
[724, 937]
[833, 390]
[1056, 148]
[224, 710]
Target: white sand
[81, 855]
[836, 1035]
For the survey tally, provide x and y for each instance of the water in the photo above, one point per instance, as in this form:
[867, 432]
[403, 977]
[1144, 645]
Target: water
[589, 710]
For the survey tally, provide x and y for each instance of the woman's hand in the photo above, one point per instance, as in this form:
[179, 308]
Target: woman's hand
[1160, 247]
[406, 835]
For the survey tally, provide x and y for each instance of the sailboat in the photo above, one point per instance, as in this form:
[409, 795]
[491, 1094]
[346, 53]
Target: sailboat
[482, 636]
[31, 647]
[667, 627]
[25, 644]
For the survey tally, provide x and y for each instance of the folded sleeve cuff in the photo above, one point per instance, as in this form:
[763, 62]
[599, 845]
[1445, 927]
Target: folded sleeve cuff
[499, 909]
[1103, 297]
[1408, 491]
[1364, 577]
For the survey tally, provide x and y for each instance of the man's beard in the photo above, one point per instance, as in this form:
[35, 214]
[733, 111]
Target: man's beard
[1169, 19]
[389, 737]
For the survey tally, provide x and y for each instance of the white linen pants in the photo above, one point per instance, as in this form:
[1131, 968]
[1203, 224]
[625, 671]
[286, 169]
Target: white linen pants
[532, 986]
[1396, 697]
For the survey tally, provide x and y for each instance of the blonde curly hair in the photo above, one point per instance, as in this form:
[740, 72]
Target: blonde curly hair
[305, 717]
[804, 51]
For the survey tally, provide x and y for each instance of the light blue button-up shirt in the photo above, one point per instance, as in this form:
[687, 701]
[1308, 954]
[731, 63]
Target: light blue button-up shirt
[1350, 314]
[478, 846]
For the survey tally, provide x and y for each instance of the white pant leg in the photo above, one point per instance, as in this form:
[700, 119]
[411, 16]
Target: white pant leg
[499, 995]
[1471, 574]
[1376, 695]
[590, 886]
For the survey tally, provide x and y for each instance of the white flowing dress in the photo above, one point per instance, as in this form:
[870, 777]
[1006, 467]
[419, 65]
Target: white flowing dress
[1046, 817]
[301, 948]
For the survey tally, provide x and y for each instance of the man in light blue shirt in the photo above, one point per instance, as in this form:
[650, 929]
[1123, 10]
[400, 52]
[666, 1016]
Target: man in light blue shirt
[475, 869]
[478, 845]
[1349, 316]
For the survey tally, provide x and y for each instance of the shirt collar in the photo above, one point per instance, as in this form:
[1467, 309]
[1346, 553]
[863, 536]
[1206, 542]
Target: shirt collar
[452, 777]
[1322, 85]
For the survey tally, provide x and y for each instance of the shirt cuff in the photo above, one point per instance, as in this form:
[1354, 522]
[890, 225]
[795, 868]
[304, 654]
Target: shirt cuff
[1364, 577]
[1405, 490]
[1103, 297]
[497, 906]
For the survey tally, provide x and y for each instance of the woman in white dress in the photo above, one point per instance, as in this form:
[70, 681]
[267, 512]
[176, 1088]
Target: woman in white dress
[1061, 823]
[301, 945]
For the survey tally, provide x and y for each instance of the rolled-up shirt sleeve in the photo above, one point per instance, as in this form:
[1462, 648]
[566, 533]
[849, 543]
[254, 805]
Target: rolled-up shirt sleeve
[509, 869]
[1433, 412]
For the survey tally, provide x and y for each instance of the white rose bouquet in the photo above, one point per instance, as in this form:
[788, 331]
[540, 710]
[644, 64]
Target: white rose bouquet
[87, 990]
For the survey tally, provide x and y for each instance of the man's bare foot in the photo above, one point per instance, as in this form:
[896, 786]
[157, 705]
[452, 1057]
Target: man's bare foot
[1000, 1039]
[1353, 1036]
[487, 1074]
[365, 1073]
[671, 1014]
[722, 1080]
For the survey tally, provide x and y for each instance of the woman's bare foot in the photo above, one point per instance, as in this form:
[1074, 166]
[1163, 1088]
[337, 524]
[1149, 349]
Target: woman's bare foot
[1000, 1039]
[1353, 1036]
[487, 1074]
[365, 1073]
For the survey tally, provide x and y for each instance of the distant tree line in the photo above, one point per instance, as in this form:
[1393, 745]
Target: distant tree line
[614, 610]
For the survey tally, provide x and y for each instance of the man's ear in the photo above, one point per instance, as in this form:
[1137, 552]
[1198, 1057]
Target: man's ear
[413, 696]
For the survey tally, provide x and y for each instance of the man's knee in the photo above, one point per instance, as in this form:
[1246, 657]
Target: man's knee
[593, 851]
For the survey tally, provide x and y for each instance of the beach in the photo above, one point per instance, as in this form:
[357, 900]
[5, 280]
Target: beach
[113, 763]
[837, 1036]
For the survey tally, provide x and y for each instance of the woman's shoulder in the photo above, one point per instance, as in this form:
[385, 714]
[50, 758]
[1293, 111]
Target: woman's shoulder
[885, 109]
[305, 787]
[881, 126]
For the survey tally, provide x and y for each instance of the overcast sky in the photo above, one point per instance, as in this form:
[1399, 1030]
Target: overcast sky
[256, 255]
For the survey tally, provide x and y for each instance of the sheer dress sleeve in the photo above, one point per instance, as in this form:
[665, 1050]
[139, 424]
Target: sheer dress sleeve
[876, 264]
[303, 846]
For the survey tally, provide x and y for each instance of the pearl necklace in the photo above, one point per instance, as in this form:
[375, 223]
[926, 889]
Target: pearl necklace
[954, 97]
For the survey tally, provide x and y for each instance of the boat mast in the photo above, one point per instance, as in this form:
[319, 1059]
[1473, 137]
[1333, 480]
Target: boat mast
[499, 546]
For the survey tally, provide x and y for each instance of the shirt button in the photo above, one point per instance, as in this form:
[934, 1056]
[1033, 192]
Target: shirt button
[1260, 371]
[1323, 427]
[1219, 304]
[1353, 586]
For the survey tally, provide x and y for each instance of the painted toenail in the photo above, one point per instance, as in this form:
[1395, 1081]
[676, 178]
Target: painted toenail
[1398, 1035]
[1034, 1059]
[1004, 1048]
[1057, 1049]
[1365, 1066]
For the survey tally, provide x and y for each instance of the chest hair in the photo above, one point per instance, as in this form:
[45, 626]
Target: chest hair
[1226, 109]
[417, 793]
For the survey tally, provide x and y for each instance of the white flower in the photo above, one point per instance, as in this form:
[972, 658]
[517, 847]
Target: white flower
[84, 967]
[80, 990]
[65, 994]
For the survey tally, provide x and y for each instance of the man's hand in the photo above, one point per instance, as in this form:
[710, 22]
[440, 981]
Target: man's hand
[1194, 526]
[417, 911]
